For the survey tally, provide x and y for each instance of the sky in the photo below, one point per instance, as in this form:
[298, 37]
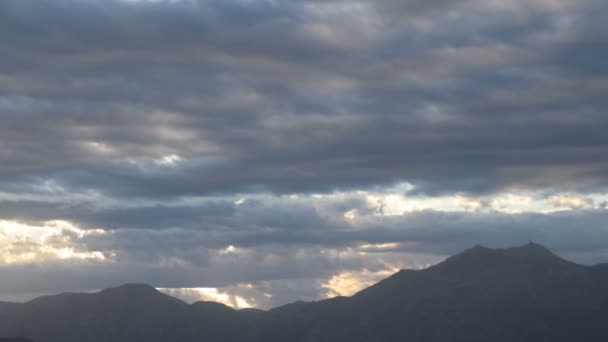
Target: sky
[259, 152]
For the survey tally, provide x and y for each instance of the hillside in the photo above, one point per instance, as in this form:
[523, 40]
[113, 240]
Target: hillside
[520, 294]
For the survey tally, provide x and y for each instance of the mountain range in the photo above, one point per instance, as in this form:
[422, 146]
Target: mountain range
[522, 294]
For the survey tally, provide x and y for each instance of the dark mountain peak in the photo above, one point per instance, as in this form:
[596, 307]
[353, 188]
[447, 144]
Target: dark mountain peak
[523, 293]
[138, 286]
[211, 306]
[531, 250]
[131, 288]
[479, 257]
[477, 250]
[138, 293]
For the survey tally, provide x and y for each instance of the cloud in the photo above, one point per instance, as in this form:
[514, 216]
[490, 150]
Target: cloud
[348, 283]
[304, 148]
[20, 243]
[286, 262]
[573, 202]
[405, 106]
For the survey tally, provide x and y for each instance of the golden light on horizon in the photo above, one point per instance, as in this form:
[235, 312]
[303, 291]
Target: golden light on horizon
[22, 243]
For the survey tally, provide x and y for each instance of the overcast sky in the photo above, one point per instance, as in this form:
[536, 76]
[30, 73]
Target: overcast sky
[257, 152]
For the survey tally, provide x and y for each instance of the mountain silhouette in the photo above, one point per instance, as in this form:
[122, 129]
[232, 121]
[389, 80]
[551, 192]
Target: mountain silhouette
[522, 294]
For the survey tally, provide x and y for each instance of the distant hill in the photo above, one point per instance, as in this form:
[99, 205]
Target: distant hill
[524, 294]
[6, 307]
[15, 339]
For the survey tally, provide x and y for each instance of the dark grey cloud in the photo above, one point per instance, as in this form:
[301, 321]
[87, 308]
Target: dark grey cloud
[278, 96]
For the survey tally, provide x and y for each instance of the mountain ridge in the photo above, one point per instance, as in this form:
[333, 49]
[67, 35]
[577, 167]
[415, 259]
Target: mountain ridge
[523, 293]
[529, 250]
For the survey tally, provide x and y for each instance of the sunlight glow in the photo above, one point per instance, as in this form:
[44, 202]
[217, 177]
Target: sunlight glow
[169, 160]
[349, 283]
[196, 294]
[51, 240]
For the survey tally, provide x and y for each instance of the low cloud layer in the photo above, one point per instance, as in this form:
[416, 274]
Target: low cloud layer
[275, 250]
[255, 148]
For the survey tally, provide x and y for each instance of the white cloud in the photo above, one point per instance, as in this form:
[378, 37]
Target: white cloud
[53, 240]
[349, 283]
[571, 201]
[223, 296]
